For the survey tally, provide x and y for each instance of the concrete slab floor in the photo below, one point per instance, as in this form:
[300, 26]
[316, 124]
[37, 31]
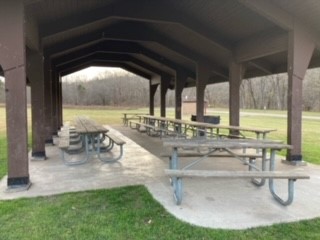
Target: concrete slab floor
[222, 203]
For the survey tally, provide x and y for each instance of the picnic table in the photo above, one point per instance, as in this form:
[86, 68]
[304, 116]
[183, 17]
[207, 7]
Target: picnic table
[213, 130]
[257, 174]
[92, 135]
[130, 116]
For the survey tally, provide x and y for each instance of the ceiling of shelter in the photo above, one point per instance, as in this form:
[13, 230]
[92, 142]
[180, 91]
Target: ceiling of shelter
[165, 36]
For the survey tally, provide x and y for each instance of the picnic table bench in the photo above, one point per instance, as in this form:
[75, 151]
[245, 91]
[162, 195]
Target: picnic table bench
[230, 146]
[69, 145]
[113, 140]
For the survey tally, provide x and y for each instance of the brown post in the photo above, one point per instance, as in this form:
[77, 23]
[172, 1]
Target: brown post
[13, 62]
[181, 79]
[48, 99]
[203, 74]
[36, 76]
[153, 89]
[236, 73]
[60, 103]
[164, 85]
[55, 83]
[300, 50]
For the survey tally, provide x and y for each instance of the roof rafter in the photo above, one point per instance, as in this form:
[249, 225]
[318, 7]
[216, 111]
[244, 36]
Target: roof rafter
[122, 65]
[114, 57]
[260, 46]
[280, 17]
[137, 33]
[124, 47]
[148, 11]
[140, 32]
[271, 12]
[32, 36]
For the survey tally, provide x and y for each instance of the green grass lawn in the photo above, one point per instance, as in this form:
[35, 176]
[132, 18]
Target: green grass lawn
[131, 212]
[120, 213]
[3, 156]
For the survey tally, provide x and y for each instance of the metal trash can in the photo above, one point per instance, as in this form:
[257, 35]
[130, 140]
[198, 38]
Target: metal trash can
[212, 119]
[207, 119]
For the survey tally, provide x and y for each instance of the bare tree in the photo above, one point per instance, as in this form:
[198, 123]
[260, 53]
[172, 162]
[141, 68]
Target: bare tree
[125, 89]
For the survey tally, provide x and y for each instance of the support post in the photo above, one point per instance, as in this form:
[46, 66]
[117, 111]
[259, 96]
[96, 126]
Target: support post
[300, 50]
[181, 79]
[55, 103]
[164, 86]
[153, 89]
[203, 74]
[48, 99]
[236, 73]
[60, 109]
[36, 75]
[13, 62]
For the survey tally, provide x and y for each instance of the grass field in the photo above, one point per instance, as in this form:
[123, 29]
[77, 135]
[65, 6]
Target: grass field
[120, 213]
[131, 212]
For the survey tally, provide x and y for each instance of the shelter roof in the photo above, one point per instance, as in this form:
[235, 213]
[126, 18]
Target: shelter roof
[170, 35]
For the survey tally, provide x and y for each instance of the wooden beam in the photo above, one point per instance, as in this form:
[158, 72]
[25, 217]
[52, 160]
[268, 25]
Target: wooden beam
[300, 52]
[260, 46]
[143, 33]
[109, 56]
[124, 47]
[30, 2]
[145, 11]
[135, 32]
[91, 63]
[13, 62]
[155, 80]
[32, 33]
[281, 17]
[262, 65]
[152, 92]
[273, 13]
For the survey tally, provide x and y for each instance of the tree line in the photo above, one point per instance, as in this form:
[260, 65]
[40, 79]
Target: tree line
[125, 89]
[128, 90]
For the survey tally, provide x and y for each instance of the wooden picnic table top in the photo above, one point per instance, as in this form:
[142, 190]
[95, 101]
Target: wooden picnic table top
[226, 143]
[86, 125]
[209, 125]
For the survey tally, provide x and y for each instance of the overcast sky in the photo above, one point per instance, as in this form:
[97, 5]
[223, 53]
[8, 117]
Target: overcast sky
[91, 72]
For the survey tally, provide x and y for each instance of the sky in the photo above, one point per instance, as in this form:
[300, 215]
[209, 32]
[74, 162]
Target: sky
[91, 72]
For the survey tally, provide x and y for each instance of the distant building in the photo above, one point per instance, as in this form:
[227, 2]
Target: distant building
[189, 107]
